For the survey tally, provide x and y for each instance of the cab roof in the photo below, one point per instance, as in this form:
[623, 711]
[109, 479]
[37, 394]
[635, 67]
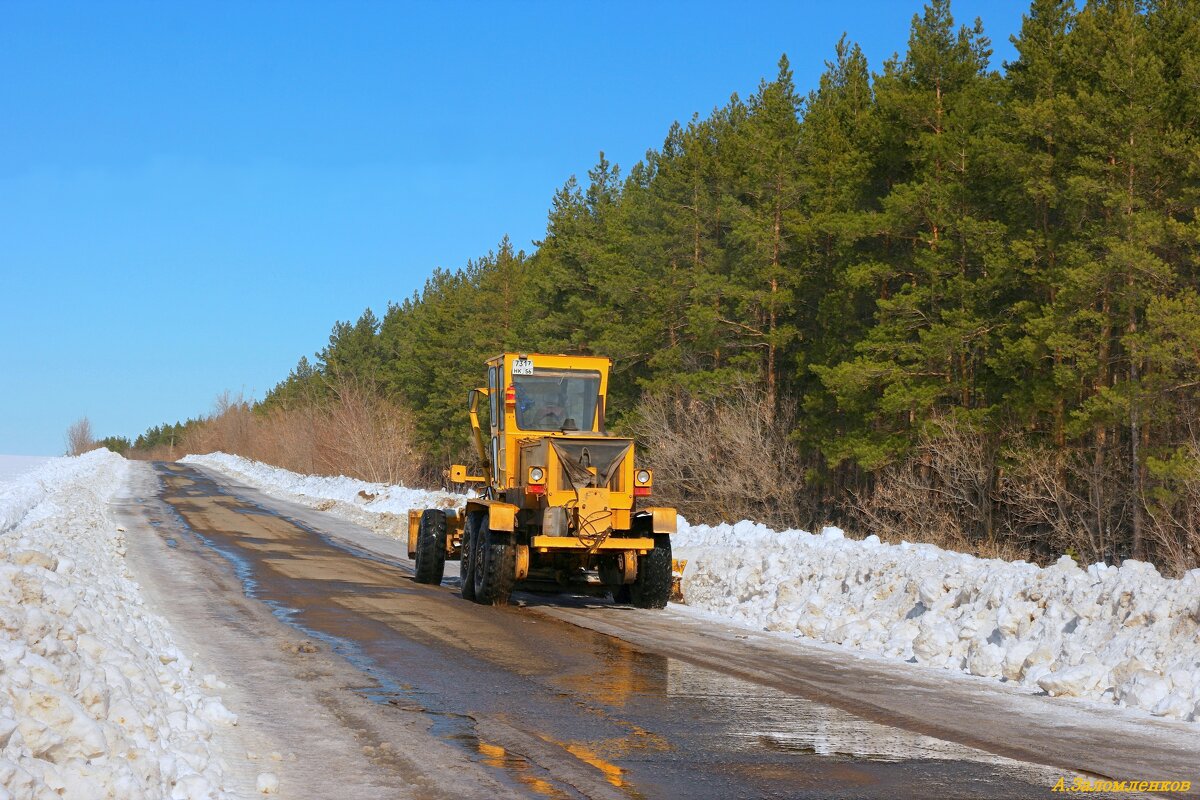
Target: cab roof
[555, 359]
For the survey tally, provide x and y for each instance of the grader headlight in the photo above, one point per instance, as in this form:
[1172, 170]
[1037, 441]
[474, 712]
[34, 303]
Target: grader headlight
[537, 480]
[643, 482]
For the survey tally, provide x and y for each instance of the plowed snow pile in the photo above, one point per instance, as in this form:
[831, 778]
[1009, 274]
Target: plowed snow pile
[96, 701]
[1125, 635]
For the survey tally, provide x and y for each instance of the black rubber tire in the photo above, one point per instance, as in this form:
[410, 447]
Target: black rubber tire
[495, 565]
[431, 547]
[466, 564]
[652, 588]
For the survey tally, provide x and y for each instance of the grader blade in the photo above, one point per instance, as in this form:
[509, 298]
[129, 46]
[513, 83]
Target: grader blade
[678, 565]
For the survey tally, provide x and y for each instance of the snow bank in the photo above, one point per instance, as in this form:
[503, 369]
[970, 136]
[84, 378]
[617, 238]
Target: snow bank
[379, 506]
[96, 701]
[1126, 635]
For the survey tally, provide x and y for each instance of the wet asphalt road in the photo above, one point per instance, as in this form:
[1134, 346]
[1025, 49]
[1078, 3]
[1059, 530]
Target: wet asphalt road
[555, 710]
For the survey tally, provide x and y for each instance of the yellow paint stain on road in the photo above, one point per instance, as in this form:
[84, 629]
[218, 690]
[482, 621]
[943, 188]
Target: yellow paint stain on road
[496, 756]
[612, 773]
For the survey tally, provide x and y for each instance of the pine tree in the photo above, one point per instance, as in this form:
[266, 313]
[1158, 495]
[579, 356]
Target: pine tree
[837, 138]
[764, 275]
[572, 259]
[1122, 193]
[353, 351]
[1036, 361]
[685, 215]
[943, 238]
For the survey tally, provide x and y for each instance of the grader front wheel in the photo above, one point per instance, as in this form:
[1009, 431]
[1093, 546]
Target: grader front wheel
[652, 587]
[466, 564]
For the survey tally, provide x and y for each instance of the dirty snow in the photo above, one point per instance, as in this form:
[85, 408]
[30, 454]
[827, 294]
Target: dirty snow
[1126, 636]
[96, 701]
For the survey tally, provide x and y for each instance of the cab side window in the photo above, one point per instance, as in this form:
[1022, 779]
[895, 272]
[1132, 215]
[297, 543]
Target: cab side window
[494, 397]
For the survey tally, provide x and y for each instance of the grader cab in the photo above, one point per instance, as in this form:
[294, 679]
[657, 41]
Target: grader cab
[562, 504]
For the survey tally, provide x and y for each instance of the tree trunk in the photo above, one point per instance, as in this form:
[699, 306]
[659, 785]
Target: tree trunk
[772, 313]
[1101, 432]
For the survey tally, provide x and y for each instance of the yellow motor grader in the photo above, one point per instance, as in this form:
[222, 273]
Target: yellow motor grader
[561, 505]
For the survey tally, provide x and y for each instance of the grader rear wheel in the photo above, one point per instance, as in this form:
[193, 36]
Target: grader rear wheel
[494, 562]
[431, 547]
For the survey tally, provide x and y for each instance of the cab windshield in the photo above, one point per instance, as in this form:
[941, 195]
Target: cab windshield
[557, 400]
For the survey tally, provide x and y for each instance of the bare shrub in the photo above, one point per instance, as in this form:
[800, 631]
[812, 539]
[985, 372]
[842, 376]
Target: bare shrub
[1173, 509]
[230, 428]
[943, 494]
[723, 460]
[351, 431]
[158, 453]
[287, 437]
[1059, 501]
[367, 437]
[79, 437]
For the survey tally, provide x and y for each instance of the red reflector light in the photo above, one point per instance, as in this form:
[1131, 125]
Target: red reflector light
[510, 396]
[641, 491]
[536, 489]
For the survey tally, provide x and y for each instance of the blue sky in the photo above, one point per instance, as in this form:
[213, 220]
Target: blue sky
[191, 194]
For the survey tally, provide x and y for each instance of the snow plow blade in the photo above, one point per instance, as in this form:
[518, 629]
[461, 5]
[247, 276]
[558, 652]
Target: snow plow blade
[677, 567]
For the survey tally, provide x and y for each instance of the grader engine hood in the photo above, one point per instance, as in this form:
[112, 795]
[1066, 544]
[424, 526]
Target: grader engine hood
[590, 463]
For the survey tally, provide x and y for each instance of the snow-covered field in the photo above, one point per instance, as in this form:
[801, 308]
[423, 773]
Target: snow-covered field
[1122, 635]
[13, 466]
[96, 700]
